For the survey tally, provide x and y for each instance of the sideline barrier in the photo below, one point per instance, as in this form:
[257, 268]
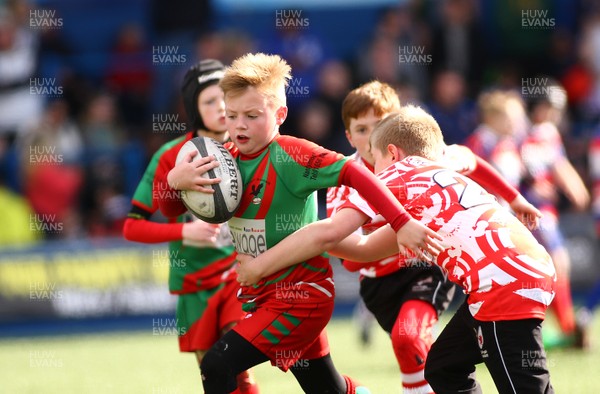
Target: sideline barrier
[63, 287]
[71, 282]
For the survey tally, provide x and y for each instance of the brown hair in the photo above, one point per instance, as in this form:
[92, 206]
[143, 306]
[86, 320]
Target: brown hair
[377, 95]
[411, 129]
[269, 74]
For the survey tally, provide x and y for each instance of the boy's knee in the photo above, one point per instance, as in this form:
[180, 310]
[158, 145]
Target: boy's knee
[410, 347]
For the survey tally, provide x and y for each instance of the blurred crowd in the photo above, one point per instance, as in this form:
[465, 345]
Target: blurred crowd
[73, 147]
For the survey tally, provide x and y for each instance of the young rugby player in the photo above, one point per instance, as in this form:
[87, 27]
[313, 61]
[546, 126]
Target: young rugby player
[201, 254]
[406, 300]
[549, 173]
[288, 311]
[508, 277]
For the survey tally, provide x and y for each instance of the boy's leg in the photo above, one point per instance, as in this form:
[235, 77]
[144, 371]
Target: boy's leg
[450, 365]
[319, 376]
[229, 314]
[221, 365]
[514, 354]
[412, 339]
[316, 373]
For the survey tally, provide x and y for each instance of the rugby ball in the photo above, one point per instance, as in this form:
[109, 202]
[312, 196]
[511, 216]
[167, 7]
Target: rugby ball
[220, 206]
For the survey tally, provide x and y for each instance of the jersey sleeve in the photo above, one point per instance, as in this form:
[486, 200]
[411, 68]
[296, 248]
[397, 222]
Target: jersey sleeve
[336, 196]
[137, 226]
[357, 202]
[376, 192]
[166, 198]
[305, 166]
[146, 231]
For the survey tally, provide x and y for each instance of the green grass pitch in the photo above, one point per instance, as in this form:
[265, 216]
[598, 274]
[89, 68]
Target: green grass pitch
[140, 362]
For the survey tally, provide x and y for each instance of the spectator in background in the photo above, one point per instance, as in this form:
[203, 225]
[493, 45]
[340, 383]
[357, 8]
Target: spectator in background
[304, 50]
[101, 128]
[106, 170]
[397, 32]
[105, 204]
[129, 74]
[18, 107]
[457, 43]
[449, 105]
[52, 174]
[549, 173]
[314, 123]
[325, 106]
[582, 80]
[176, 24]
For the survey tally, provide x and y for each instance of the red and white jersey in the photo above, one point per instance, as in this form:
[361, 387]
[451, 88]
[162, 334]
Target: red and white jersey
[336, 197]
[501, 152]
[457, 157]
[488, 251]
[540, 150]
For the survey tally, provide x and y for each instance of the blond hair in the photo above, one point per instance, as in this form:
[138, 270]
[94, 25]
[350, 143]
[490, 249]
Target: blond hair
[269, 74]
[379, 96]
[494, 102]
[411, 129]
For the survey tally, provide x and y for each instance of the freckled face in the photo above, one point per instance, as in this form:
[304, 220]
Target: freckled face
[252, 120]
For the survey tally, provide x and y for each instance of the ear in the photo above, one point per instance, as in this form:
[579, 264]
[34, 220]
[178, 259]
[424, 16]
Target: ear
[281, 115]
[349, 138]
[396, 153]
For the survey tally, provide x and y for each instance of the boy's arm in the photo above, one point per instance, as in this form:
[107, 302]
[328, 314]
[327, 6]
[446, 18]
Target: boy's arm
[569, 181]
[316, 238]
[366, 248]
[187, 175]
[490, 179]
[146, 231]
[139, 228]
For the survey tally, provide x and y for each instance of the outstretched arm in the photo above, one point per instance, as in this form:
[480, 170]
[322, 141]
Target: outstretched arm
[321, 236]
[488, 177]
[366, 248]
[315, 238]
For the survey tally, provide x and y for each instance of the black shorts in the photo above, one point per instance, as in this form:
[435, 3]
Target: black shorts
[385, 295]
[512, 351]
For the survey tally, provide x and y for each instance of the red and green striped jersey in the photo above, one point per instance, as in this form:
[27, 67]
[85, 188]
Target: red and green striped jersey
[191, 268]
[279, 198]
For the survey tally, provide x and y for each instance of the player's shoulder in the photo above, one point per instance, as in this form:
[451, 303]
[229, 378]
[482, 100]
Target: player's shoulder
[304, 152]
[173, 145]
[290, 143]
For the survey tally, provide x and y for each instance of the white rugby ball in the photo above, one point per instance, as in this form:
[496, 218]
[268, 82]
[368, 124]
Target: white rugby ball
[220, 206]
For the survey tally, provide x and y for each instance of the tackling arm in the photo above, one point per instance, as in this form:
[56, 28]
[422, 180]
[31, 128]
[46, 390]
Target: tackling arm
[316, 238]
